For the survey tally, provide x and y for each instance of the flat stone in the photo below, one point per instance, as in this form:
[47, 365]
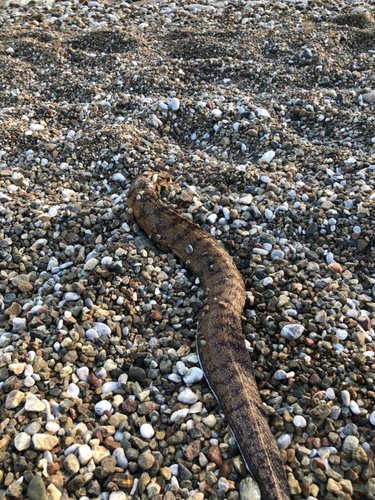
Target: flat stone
[22, 441]
[45, 442]
[292, 331]
[36, 489]
[33, 403]
[249, 489]
[13, 399]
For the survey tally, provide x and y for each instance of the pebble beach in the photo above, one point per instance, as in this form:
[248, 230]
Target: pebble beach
[263, 114]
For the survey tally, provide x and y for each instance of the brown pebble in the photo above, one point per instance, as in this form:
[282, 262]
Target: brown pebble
[52, 468]
[129, 406]
[334, 267]
[366, 324]
[192, 451]
[318, 464]
[224, 471]
[305, 489]
[290, 454]
[111, 445]
[214, 455]
[25, 286]
[92, 379]
[156, 316]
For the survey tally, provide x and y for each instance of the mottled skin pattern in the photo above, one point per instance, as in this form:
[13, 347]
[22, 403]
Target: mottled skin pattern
[220, 344]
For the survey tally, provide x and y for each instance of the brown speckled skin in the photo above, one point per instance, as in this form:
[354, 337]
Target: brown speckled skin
[224, 359]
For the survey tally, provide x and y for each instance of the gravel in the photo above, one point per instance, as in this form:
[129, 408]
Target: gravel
[263, 113]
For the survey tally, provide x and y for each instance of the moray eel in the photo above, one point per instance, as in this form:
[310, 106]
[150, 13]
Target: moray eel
[220, 343]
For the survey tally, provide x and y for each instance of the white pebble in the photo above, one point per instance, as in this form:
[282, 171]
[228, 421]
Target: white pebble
[299, 422]
[284, 441]
[84, 454]
[188, 397]
[354, 408]
[175, 104]
[110, 387]
[147, 431]
[121, 459]
[73, 390]
[195, 375]
[212, 218]
[22, 441]
[102, 329]
[107, 260]
[52, 427]
[267, 157]
[280, 375]
[330, 393]
[28, 371]
[345, 395]
[292, 331]
[102, 406]
[29, 382]
[179, 414]
[71, 296]
[119, 177]
[83, 373]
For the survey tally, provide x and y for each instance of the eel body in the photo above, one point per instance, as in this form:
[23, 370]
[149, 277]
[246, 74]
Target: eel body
[220, 344]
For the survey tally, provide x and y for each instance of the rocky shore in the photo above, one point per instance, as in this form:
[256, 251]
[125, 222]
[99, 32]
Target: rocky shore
[263, 113]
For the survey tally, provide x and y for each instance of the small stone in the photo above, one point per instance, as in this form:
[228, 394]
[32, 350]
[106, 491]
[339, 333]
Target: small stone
[280, 375]
[22, 441]
[330, 394]
[17, 368]
[334, 267]
[137, 374]
[147, 431]
[146, 460]
[91, 264]
[359, 455]
[53, 493]
[102, 406]
[13, 399]
[284, 441]
[354, 407]
[292, 331]
[71, 464]
[25, 286]
[52, 427]
[188, 397]
[174, 104]
[370, 489]
[299, 421]
[345, 395]
[214, 455]
[36, 489]
[335, 412]
[29, 382]
[193, 450]
[249, 489]
[33, 403]
[84, 454]
[195, 375]
[44, 442]
[350, 444]
[121, 459]
[333, 486]
[117, 495]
